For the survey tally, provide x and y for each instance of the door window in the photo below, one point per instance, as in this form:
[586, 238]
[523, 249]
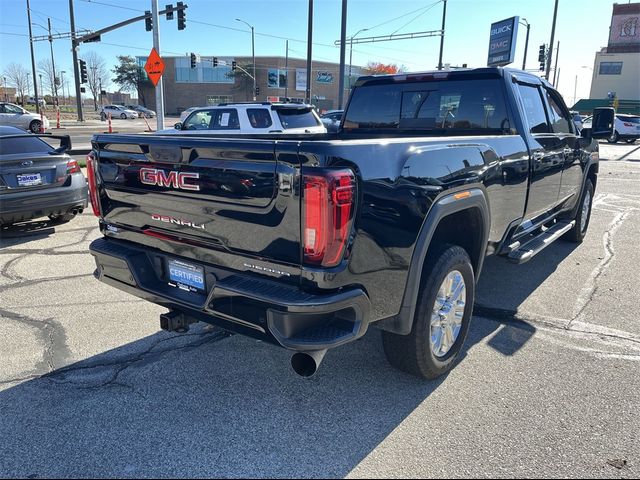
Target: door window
[533, 109]
[559, 116]
[259, 117]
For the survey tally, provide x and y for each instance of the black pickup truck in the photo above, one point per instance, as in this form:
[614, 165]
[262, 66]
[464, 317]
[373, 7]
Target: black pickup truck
[306, 241]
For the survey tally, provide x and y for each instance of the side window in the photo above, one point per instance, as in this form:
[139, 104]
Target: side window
[259, 117]
[2, 110]
[534, 109]
[224, 119]
[198, 120]
[559, 116]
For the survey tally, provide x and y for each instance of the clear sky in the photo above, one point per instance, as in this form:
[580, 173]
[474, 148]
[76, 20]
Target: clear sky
[582, 29]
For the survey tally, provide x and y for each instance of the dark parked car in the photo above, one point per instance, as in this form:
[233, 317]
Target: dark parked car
[37, 180]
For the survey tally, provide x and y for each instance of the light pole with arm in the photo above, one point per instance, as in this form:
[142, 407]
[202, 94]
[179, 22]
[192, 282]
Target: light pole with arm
[526, 42]
[253, 54]
[351, 52]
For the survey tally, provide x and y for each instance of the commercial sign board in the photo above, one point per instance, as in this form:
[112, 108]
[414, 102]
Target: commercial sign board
[502, 42]
[301, 79]
[324, 77]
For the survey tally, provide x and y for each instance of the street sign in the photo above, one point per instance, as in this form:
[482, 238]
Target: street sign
[154, 67]
[502, 42]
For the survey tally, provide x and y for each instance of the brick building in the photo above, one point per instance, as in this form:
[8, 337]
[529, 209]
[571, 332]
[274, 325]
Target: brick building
[205, 84]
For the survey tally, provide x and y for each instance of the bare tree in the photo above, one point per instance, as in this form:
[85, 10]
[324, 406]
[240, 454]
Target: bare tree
[45, 70]
[18, 77]
[97, 75]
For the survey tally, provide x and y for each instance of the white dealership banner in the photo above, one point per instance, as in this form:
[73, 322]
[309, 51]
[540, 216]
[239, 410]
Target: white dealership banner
[301, 79]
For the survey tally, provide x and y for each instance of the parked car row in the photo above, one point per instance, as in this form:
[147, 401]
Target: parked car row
[126, 112]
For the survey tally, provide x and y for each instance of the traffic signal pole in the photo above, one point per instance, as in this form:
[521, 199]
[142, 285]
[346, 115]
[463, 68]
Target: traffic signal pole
[553, 32]
[159, 86]
[76, 69]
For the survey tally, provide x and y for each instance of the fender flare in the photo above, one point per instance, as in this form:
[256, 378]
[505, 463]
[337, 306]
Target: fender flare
[402, 323]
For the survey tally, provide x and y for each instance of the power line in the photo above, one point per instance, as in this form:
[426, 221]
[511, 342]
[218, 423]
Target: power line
[416, 17]
[404, 15]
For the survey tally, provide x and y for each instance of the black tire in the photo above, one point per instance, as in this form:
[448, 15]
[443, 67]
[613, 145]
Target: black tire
[613, 138]
[631, 140]
[60, 219]
[579, 231]
[34, 126]
[413, 353]
[123, 116]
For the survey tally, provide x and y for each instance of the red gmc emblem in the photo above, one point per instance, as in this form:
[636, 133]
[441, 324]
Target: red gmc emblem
[153, 176]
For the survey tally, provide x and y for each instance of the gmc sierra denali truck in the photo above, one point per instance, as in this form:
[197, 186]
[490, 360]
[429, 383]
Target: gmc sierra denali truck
[306, 241]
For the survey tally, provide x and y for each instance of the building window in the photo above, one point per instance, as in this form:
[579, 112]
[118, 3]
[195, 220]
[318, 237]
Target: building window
[204, 72]
[217, 99]
[610, 68]
[277, 78]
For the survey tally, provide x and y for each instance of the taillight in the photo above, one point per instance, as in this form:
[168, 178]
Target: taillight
[328, 205]
[73, 167]
[93, 185]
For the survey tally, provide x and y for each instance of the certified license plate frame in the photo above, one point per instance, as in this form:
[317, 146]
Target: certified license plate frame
[37, 179]
[186, 276]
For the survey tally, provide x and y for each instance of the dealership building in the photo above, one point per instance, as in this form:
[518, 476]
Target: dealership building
[213, 81]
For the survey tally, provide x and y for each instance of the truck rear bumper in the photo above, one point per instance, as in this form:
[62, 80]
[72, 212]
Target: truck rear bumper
[245, 304]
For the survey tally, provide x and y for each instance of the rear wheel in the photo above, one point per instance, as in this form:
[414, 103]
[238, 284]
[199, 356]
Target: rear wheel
[579, 230]
[613, 138]
[35, 126]
[631, 140]
[123, 116]
[442, 317]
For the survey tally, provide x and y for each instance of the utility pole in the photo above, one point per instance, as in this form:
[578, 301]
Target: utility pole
[555, 69]
[526, 43]
[33, 60]
[286, 69]
[76, 71]
[159, 86]
[53, 66]
[253, 54]
[444, 17]
[553, 32]
[343, 37]
[307, 95]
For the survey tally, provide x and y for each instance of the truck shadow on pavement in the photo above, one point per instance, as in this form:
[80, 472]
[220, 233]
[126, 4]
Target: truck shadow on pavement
[210, 404]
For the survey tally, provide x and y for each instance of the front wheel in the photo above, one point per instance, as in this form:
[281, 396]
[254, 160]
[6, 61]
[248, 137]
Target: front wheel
[613, 138]
[35, 126]
[442, 318]
[579, 230]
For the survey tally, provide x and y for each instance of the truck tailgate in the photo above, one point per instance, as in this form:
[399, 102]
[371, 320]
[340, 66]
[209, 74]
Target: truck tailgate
[235, 195]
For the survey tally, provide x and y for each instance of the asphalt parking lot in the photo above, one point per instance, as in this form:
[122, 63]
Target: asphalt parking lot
[548, 384]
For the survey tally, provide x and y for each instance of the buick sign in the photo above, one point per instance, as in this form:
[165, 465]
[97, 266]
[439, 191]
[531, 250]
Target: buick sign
[502, 42]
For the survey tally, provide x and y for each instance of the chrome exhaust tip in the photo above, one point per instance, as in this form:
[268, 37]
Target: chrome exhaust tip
[306, 364]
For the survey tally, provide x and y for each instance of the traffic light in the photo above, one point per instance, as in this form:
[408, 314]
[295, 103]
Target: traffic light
[257, 90]
[169, 8]
[148, 22]
[182, 17]
[215, 61]
[542, 56]
[83, 71]
[233, 65]
[193, 60]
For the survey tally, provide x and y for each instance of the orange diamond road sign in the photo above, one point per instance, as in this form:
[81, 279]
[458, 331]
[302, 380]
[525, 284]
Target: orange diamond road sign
[154, 67]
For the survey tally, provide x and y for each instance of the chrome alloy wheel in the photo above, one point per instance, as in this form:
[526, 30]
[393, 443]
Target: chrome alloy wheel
[586, 205]
[447, 313]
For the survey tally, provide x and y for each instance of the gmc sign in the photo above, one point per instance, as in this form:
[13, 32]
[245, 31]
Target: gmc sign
[174, 179]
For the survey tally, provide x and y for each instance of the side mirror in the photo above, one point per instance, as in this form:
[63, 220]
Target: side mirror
[602, 123]
[177, 126]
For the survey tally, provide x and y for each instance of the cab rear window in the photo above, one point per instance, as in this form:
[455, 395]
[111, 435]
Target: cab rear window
[442, 106]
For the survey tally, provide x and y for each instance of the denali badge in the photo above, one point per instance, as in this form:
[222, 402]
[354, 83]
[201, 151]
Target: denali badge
[153, 176]
[176, 221]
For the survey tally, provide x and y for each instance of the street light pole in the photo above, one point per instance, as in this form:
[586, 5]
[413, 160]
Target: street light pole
[253, 54]
[33, 60]
[553, 32]
[351, 53]
[64, 100]
[5, 88]
[526, 42]
[53, 65]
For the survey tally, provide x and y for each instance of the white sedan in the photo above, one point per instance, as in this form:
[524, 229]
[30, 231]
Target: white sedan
[117, 111]
[14, 116]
